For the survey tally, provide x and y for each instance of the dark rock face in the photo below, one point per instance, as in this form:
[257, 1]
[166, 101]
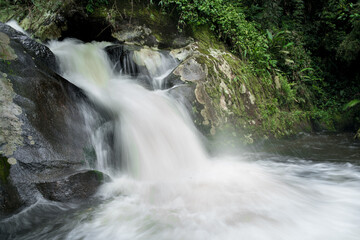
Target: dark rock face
[78, 186]
[122, 58]
[42, 130]
[9, 197]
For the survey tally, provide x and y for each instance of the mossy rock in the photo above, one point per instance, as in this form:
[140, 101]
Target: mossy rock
[231, 99]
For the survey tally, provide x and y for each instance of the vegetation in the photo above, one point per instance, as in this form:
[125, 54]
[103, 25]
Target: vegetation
[92, 4]
[315, 45]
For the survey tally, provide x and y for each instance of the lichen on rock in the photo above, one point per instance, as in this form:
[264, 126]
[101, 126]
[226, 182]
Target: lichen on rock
[6, 52]
[10, 124]
[191, 71]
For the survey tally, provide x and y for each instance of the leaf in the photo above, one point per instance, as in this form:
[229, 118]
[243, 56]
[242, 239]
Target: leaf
[289, 44]
[351, 104]
[306, 69]
[279, 33]
[269, 34]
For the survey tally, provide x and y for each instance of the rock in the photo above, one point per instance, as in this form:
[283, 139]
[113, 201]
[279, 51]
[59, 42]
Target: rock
[181, 41]
[182, 53]
[10, 200]
[6, 52]
[150, 61]
[191, 71]
[78, 186]
[41, 54]
[9, 196]
[136, 34]
[172, 80]
[42, 129]
[122, 58]
[185, 94]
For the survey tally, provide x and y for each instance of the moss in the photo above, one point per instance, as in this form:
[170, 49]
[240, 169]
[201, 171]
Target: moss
[99, 175]
[206, 39]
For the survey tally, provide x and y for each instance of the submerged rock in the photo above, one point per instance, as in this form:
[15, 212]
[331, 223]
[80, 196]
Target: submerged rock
[78, 186]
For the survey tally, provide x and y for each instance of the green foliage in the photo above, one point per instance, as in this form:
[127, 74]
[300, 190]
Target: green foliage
[268, 51]
[92, 4]
[351, 104]
[228, 22]
[322, 57]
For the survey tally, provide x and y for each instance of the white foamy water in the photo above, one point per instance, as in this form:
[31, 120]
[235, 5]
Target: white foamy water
[14, 24]
[169, 188]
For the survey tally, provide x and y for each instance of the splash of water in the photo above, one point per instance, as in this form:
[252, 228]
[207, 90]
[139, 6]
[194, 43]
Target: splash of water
[14, 24]
[169, 187]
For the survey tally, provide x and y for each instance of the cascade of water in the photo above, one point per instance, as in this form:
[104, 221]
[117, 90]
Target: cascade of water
[156, 138]
[170, 189]
[16, 26]
[158, 64]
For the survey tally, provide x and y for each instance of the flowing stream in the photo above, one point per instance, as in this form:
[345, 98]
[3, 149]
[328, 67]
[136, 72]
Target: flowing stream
[165, 185]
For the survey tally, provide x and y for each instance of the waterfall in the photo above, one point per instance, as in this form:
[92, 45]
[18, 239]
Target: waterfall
[169, 188]
[154, 132]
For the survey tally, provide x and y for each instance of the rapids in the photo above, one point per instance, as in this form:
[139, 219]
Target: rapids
[169, 187]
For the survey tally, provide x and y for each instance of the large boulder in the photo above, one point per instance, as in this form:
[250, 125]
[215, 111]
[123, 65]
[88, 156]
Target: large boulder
[75, 187]
[42, 129]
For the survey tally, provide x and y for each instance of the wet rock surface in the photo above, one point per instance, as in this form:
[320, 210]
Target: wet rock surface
[42, 129]
[9, 196]
[9, 199]
[122, 58]
[77, 186]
